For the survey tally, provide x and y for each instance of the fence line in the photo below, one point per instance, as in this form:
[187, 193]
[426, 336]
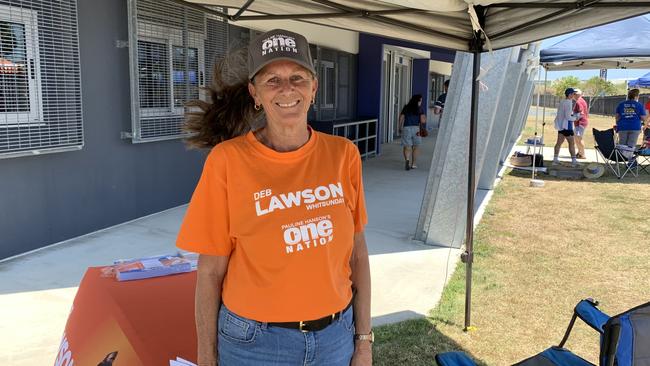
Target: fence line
[602, 105]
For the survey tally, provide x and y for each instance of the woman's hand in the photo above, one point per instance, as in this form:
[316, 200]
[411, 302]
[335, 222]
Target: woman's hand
[362, 354]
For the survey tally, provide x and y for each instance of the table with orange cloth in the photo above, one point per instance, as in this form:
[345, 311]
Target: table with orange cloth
[148, 322]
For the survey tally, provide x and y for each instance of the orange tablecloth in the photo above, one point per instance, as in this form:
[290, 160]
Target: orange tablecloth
[148, 322]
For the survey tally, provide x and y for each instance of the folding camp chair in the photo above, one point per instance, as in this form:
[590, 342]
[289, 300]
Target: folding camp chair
[613, 157]
[643, 159]
[624, 340]
[554, 356]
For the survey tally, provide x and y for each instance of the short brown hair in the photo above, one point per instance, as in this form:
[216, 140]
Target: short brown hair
[633, 94]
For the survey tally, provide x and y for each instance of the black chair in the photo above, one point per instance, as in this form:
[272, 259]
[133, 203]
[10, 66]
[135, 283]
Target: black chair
[612, 156]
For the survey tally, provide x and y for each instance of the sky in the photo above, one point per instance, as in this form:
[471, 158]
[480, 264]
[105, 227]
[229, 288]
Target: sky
[586, 74]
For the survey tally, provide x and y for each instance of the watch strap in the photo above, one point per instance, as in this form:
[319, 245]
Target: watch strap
[365, 337]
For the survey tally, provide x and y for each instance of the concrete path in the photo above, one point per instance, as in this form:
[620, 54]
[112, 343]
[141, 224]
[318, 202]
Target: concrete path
[565, 156]
[37, 290]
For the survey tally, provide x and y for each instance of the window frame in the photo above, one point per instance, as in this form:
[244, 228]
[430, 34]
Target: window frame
[29, 19]
[324, 66]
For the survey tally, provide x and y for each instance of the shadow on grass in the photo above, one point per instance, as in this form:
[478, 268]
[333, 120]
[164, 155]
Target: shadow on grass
[412, 342]
[607, 178]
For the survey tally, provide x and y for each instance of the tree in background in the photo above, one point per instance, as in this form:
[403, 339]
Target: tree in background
[595, 87]
[561, 84]
[621, 88]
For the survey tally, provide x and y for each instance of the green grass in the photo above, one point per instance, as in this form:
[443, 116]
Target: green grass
[537, 252]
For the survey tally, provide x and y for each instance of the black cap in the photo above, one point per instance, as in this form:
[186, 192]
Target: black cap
[275, 45]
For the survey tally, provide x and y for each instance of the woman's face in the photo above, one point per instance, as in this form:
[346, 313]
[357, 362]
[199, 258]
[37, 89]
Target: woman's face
[285, 91]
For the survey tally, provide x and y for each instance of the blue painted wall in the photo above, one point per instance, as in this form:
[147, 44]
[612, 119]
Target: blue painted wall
[369, 73]
[420, 82]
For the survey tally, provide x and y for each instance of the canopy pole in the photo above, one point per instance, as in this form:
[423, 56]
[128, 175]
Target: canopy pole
[544, 101]
[468, 256]
[539, 78]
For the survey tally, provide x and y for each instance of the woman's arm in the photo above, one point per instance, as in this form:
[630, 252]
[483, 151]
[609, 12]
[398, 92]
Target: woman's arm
[401, 122]
[360, 266]
[423, 118]
[210, 273]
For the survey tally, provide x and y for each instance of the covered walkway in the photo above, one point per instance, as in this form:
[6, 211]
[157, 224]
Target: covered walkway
[37, 289]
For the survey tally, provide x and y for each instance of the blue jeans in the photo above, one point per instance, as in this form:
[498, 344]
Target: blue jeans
[248, 342]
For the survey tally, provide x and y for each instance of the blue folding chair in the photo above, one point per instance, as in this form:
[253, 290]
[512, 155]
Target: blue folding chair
[624, 340]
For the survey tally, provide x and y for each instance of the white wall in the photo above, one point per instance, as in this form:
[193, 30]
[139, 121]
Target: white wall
[439, 67]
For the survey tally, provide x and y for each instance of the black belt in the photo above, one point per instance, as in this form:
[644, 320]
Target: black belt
[312, 325]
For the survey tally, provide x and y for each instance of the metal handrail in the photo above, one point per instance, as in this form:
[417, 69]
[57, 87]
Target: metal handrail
[365, 150]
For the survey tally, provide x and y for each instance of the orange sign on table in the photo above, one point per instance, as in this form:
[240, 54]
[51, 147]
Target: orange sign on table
[144, 322]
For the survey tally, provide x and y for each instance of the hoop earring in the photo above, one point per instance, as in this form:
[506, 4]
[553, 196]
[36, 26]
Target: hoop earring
[313, 101]
[257, 107]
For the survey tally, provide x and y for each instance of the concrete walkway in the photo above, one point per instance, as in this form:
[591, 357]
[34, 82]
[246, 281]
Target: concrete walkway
[37, 290]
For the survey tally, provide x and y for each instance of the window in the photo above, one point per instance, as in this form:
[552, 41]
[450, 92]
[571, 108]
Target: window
[19, 97]
[169, 74]
[327, 84]
[174, 43]
[40, 78]
[186, 74]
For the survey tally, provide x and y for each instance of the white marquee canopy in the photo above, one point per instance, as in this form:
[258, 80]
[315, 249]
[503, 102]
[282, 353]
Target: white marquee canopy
[443, 23]
[462, 25]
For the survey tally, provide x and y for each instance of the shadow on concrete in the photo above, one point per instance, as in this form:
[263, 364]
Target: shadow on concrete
[413, 342]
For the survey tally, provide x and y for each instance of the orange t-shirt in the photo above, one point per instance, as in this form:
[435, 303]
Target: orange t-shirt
[287, 220]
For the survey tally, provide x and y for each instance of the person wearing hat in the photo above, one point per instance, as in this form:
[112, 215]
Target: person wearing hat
[277, 217]
[564, 120]
[581, 111]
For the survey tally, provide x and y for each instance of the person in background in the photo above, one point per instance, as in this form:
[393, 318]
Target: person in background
[581, 110]
[410, 119]
[630, 115]
[277, 218]
[439, 105]
[646, 128]
[564, 121]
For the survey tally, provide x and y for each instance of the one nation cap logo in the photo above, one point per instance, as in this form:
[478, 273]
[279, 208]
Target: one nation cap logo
[275, 45]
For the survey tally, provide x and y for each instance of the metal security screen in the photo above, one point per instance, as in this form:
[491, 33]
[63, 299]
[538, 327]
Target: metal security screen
[175, 48]
[40, 77]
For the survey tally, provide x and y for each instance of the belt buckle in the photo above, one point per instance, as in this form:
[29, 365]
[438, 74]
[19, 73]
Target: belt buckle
[302, 324]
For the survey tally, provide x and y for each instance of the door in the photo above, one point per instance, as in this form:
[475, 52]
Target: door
[396, 91]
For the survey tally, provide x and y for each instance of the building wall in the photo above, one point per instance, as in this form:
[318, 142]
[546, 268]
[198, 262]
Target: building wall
[420, 81]
[49, 198]
[369, 71]
[53, 197]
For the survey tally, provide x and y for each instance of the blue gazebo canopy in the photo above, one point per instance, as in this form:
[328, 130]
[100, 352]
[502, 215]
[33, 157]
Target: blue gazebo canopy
[642, 82]
[619, 45]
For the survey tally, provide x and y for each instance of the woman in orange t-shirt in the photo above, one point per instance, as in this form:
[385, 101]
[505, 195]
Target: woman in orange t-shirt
[277, 217]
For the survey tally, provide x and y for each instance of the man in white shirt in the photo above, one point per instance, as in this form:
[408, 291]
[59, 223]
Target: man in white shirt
[564, 125]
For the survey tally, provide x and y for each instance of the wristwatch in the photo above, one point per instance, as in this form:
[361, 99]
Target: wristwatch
[370, 337]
